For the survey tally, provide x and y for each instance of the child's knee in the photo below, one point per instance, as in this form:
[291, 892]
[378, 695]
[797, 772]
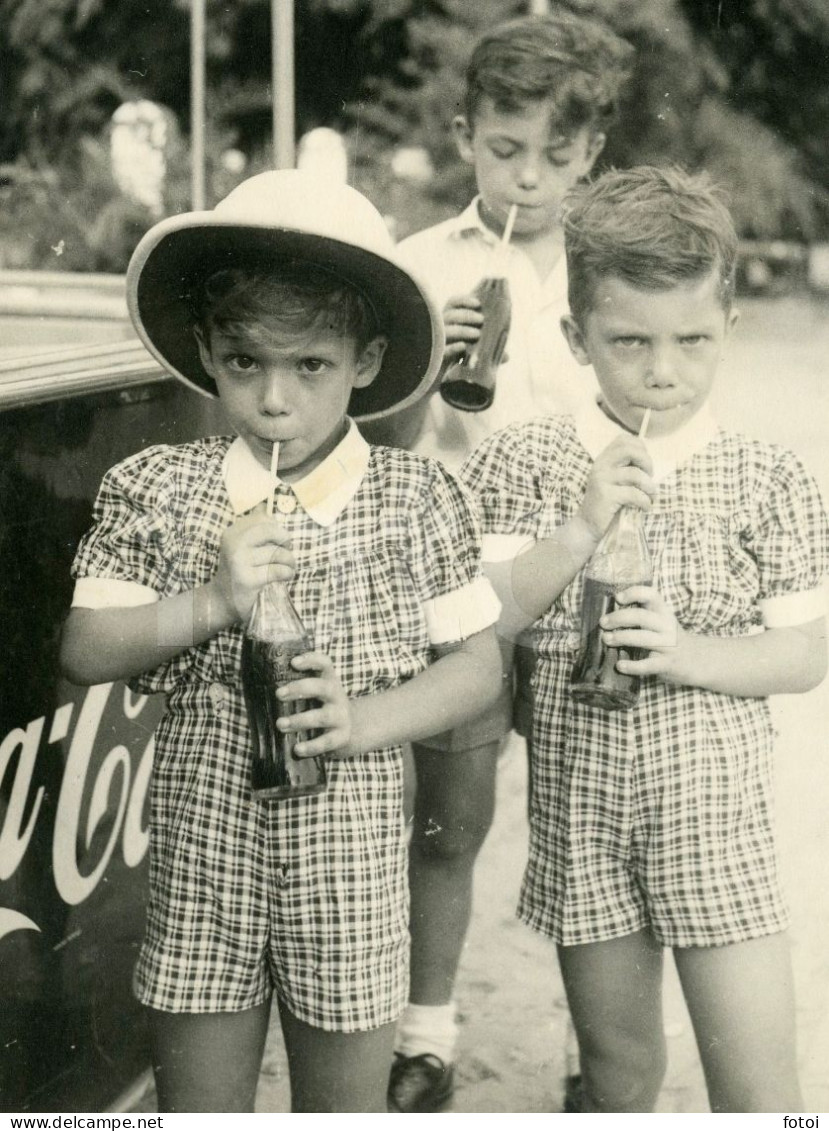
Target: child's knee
[438, 839]
[620, 1074]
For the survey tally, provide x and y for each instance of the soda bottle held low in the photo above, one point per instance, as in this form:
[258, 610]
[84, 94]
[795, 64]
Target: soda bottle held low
[469, 383]
[620, 560]
[273, 636]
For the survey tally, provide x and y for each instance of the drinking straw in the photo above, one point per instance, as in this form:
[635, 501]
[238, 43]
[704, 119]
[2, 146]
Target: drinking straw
[274, 477]
[505, 238]
[643, 427]
[513, 212]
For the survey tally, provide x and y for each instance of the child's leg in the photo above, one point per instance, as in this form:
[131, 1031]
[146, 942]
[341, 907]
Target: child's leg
[741, 1001]
[208, 1061]
[454, 806]
[614, 990]
[336, 1072]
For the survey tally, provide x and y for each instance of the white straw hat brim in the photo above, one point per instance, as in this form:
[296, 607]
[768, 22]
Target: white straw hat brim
[176, 255]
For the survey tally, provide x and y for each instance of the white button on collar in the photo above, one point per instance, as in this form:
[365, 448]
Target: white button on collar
[285, 504]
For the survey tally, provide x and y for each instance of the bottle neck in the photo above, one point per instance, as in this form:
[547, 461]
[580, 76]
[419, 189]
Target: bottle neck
[622, 556]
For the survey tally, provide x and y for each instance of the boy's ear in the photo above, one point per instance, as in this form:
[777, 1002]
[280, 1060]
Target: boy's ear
[204, 350]
[369, 362]
[462, 132]
[575, 339]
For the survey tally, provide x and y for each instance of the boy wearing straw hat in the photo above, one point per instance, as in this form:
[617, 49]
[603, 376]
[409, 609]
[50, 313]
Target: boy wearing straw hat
[286, 302]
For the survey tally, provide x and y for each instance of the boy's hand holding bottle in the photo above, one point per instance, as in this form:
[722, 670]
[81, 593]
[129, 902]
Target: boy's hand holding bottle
[619, 488]
[330, 720]
[644, 623]
[254, 550]
[462, 322]
[620, 476]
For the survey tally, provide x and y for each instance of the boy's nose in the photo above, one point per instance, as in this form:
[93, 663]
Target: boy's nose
[528, 173]
[662, 370]
[272, 393]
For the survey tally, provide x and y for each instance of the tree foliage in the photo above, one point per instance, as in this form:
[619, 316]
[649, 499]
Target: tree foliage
[710, 87]
[737, 86]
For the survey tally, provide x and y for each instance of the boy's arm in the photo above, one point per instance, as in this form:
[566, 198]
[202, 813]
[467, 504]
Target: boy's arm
[455, 688]
[459, 685]
[528, 583]
[783, 660]
[100, 645]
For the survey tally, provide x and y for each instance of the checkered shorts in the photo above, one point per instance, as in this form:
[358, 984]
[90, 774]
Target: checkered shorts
[659, 817]
[307, 896]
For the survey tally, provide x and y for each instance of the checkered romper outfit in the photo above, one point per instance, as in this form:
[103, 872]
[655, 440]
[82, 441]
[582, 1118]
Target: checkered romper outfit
[659, 817]
[308, 895]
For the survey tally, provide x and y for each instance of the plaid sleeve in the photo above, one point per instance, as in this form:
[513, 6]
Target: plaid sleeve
[128, 539]
[503, 473]
[791, 545]
[458, 601]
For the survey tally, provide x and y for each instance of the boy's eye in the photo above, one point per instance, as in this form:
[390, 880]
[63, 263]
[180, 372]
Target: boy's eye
[694, 339]
[558, 159]
[241, 362]
[504, 151]
[628, 341]
[312, 365]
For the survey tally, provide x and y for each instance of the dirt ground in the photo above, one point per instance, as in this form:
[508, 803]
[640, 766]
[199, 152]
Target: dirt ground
[774, 386]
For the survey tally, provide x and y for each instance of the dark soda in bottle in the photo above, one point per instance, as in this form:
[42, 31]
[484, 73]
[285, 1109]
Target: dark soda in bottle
[273, 636]
[620, 560]
[469, 383]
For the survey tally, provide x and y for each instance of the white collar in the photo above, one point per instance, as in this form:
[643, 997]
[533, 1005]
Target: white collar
[323, 493]
[595, 431]
[470, 221]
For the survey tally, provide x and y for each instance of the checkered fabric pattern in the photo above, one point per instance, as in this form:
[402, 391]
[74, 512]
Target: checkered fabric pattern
[660, 816]
[308, 895]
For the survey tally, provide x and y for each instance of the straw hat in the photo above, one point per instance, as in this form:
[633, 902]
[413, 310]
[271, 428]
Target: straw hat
[287, 214]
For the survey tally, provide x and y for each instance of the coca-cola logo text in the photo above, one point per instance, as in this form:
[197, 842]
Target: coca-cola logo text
[113, 799]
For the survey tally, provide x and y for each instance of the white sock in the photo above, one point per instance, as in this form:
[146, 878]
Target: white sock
[428, 1029]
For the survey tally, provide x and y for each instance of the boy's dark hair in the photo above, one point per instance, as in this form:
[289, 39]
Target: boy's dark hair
[575, 61]
[301, 296]
[650, 227]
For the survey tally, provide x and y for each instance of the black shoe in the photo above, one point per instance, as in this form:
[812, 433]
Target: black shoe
[572, 1095]
[420, 1083]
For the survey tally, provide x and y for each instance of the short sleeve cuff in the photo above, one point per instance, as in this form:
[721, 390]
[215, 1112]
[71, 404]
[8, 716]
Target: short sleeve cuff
[503, 547]
[461, 613]
[110, 593]
[793, 608]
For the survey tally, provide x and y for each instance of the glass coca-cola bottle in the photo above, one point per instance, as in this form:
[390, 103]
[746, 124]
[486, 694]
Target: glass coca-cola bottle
[620, 560]
[273, 636]
[469, 384]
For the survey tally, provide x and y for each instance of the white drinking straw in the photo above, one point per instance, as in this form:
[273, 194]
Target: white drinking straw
[513, 212]
[274, 477]
[643, 427]
[505, 238]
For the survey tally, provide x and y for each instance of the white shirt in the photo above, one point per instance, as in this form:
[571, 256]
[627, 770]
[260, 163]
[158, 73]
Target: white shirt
[540, 376]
